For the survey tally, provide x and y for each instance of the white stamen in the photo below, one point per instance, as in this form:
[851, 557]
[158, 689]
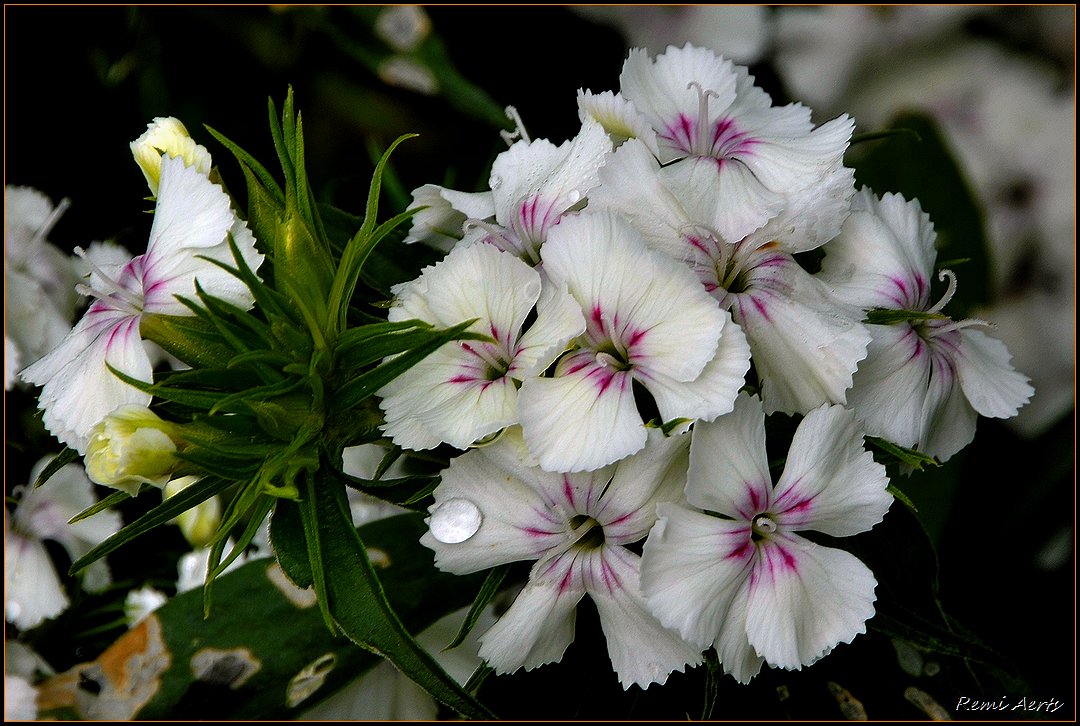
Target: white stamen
[702, 144]
[764, 524]
[118, 296]
[455, 520]
[942, 274]
[960, 324]
[50, 221]
[519, 131]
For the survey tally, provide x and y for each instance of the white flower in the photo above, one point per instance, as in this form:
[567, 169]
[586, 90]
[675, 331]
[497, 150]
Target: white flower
[748, 583]
[649, 322]
[533, 184]
[192, 220]
[731, 145]
[495, 506]
[39, 279]
[33, 591]
[166, 136]
[140, 603]
[924, 381]
[468, 390]
[805, 343]
[20, 699]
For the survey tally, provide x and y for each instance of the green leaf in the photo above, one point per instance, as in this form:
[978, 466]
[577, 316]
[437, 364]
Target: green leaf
[362, 386]
[359, 605]
[490, 588]
[247, 160]
[195, 494]
[713, 673]
[57, 463]
[106, 502]
[920, 165]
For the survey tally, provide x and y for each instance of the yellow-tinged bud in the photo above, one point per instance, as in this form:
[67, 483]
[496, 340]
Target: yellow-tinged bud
[200, 523]
[130, 447]
[166, 135]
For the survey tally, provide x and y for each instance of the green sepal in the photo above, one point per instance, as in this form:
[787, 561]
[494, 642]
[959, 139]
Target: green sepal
[488, 590]
[883, 316]
[193, 340]
[889, 453]
[184, 500]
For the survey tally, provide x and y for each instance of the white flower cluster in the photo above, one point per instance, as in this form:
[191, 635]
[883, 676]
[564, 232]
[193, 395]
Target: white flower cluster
[627, 280]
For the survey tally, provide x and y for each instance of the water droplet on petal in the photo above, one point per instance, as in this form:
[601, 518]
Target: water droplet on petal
[574, 196]
[496, 182]
[455, 521]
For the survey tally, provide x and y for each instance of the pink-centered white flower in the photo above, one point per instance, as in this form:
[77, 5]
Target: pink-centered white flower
[647, 321]
[533, 184]
[926, 379]
[746, 582]
[33, 591]
[806, 343]
[192, 221]
[468, 390]
[495, 506]
[729, 144]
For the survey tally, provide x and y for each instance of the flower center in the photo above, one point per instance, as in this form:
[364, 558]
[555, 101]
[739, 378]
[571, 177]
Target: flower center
[586, 532]
[763, 525]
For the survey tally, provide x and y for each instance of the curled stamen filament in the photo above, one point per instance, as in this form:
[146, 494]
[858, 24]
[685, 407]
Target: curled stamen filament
[942, 274]
[54, 217]
[576, 535]
[703, 142]
[118, 296]
[959, 324]
[519, 128]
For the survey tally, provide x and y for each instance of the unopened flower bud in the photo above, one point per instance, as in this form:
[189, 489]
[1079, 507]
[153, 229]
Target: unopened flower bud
[130, 447]
[200, 523]
[166, 135]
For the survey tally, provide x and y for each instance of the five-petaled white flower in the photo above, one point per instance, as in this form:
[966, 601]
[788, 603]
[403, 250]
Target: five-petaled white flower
[192, 221]
[647, 322]
[495, 506]
[925, 380]
[729, 144]
[746, 581]
[468, 390]
[806, 343]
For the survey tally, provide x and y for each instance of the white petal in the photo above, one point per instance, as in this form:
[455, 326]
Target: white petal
[78, 390]
[45, 510]
[537, 628]
[558, 321]
[729, 469]
[438, 225]
[474, 205]
[657, 473]
[650, 305]
[193, 219]
[784, 157]
[737, 655]
[11, 363]
[948, 420]
[582, 420]
[813, 215]
[20, 699]
[32, 589]
[805, 599]
[381, 694]
[618, 117]
[884, 254]
[724, 195]
[713, 392]
[991, 385]
[806, 345]
[830, 483]
[692, 567]
[630, 185]
[889, 389]
[642, 651]
[516, 523]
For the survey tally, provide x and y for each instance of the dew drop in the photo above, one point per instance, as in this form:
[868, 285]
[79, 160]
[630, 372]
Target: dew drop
[455, 520]
[496, 182]
[574, 196]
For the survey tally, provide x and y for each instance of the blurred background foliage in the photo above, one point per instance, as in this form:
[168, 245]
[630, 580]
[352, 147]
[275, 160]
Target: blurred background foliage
[995, 521]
